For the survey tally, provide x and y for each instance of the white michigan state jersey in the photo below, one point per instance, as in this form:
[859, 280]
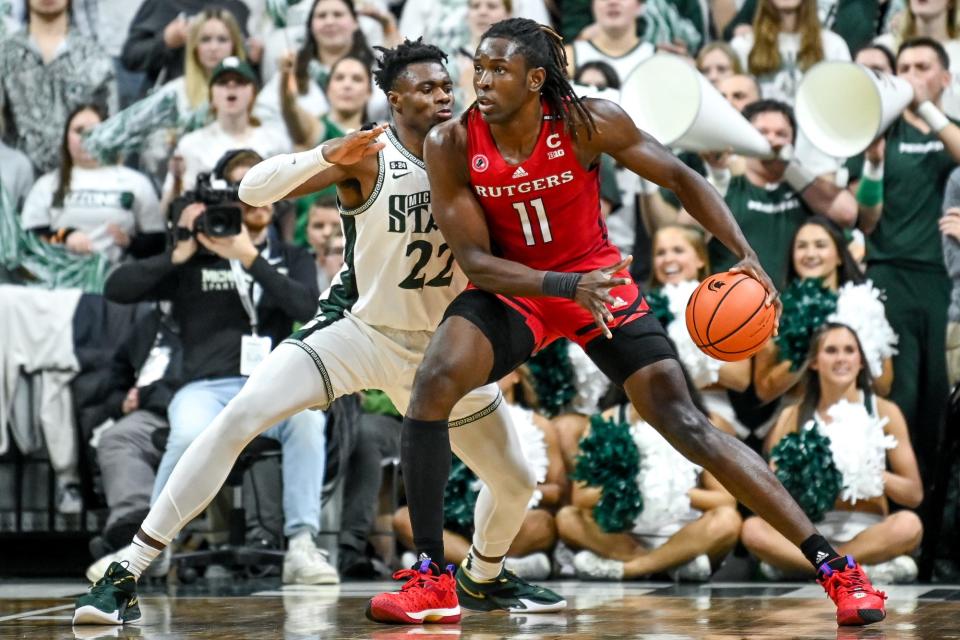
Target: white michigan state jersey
[398, 272]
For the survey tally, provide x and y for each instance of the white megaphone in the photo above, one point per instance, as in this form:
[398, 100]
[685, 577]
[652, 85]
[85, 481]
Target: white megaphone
[672, 101]
[842, 106]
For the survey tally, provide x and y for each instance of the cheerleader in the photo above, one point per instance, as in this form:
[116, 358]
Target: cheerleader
[872, 459]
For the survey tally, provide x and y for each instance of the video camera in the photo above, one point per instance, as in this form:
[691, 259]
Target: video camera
[221, 218]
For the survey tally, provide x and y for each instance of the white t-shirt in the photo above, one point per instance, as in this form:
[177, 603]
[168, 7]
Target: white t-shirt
[782, 84]
[96, 197]
[201, 149]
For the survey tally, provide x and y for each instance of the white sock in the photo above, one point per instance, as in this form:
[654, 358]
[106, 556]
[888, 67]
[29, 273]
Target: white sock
[481, 570]
[139, 555]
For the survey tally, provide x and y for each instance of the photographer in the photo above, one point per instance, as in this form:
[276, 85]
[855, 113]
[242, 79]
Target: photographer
[236, 291]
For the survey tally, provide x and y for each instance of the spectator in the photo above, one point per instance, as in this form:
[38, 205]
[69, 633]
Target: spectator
[818, 252]
[950, 229]
[901, 184]
[91, 208]
[740, 90]
[16, 172]
[233, 300]
[213, 36]
[334, 33]
[323, 224]
[717, 61]
[600, 75]
[538, 441]
[143, 378]
[940, 21]
[867, 436]
[787, 39]
[775, 197]
[113, 19]
[47, 70]
[480, 15]
[232, 93]
[877, 57]
[159, 32]
[687, 525]
[614, 39]
[348, 91]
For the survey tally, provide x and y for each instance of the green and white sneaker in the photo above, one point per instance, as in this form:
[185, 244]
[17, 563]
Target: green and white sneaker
[111, 600]
[506, 592]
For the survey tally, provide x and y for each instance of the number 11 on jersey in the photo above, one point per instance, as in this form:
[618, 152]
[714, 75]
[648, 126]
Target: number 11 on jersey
[538, 209]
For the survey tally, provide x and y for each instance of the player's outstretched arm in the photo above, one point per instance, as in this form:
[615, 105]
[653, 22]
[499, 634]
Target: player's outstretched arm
[296, 174]
[619, 137]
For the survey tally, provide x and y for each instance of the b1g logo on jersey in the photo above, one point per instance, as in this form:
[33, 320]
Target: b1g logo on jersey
[480, 163]
[414, 206]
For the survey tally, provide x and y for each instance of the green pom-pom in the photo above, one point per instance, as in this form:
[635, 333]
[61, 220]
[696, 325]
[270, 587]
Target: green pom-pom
[553, 377]
[806, 306]
[609, 459]
[459, 498]
[376, 401]
[805, 467]
[659, 306]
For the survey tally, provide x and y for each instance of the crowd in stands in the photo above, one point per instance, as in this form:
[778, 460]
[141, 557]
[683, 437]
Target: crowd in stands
[114, 113]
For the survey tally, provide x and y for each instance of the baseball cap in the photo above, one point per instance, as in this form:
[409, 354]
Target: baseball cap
[233, 64]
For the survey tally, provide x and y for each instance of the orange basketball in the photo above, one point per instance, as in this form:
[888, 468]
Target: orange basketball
[727, 317]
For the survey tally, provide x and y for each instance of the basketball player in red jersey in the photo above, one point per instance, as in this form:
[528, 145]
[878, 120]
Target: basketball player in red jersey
[515, 192]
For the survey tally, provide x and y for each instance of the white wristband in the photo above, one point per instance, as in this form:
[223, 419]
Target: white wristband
[933, 116]
[275, 177]
[872, 171]
[798, 176]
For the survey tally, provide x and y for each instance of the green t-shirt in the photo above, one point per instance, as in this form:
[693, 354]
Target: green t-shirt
[768, 218]
[915, 171]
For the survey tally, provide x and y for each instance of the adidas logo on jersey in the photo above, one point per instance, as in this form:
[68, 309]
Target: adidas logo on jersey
[519, 173]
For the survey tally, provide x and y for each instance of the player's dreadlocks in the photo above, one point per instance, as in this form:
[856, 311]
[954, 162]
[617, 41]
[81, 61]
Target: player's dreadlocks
[394, 61]
[543, 47]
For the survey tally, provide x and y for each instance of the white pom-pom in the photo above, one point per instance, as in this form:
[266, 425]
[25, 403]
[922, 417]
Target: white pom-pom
[703, 369]
[859, 447]
[860, 307]
[665, 479]
[588, 380]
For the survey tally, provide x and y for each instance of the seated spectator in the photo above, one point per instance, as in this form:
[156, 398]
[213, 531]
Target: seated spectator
[940, 21]
[613, 39]
[598, 74]
[348, 92]
[235, 297]
[687, 524]
[90, 208]
[46, 71]
[232, 91]
[301, 80]
[480, 15]
[16, 172]
[739, 89]
[527, 556]
[787, 39]
[775, 197]
[142, 380]
[159, 33]
[717, 61]
[866, 437]
[213, 36]
[818, 253]
[877, 57]
[323, 224]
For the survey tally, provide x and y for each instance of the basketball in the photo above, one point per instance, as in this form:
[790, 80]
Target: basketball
[727, 317]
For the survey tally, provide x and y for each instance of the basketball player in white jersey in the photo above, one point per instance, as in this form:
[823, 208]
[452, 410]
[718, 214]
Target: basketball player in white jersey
[373, 326]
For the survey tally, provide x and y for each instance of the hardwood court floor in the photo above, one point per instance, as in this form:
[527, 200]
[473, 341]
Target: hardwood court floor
[652, 611]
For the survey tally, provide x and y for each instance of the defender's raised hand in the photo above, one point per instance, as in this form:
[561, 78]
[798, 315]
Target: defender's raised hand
[354, 146]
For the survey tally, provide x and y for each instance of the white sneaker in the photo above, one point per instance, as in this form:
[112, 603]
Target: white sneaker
[535, 566]
[563, 561]
[592, 567]
[697, 570]
[69, 501]
[159, 568]
[881, 573]
[904, 569]
[304, 563]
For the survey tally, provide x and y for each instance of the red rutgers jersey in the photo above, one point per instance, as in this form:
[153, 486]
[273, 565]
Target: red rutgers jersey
[545, 211]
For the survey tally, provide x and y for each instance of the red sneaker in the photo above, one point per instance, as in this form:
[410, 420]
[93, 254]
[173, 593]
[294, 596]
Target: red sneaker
[429, 595]
[858, 603]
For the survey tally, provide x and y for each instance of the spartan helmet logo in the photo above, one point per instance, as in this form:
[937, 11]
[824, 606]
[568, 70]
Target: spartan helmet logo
[480, 163]
[716, 285]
